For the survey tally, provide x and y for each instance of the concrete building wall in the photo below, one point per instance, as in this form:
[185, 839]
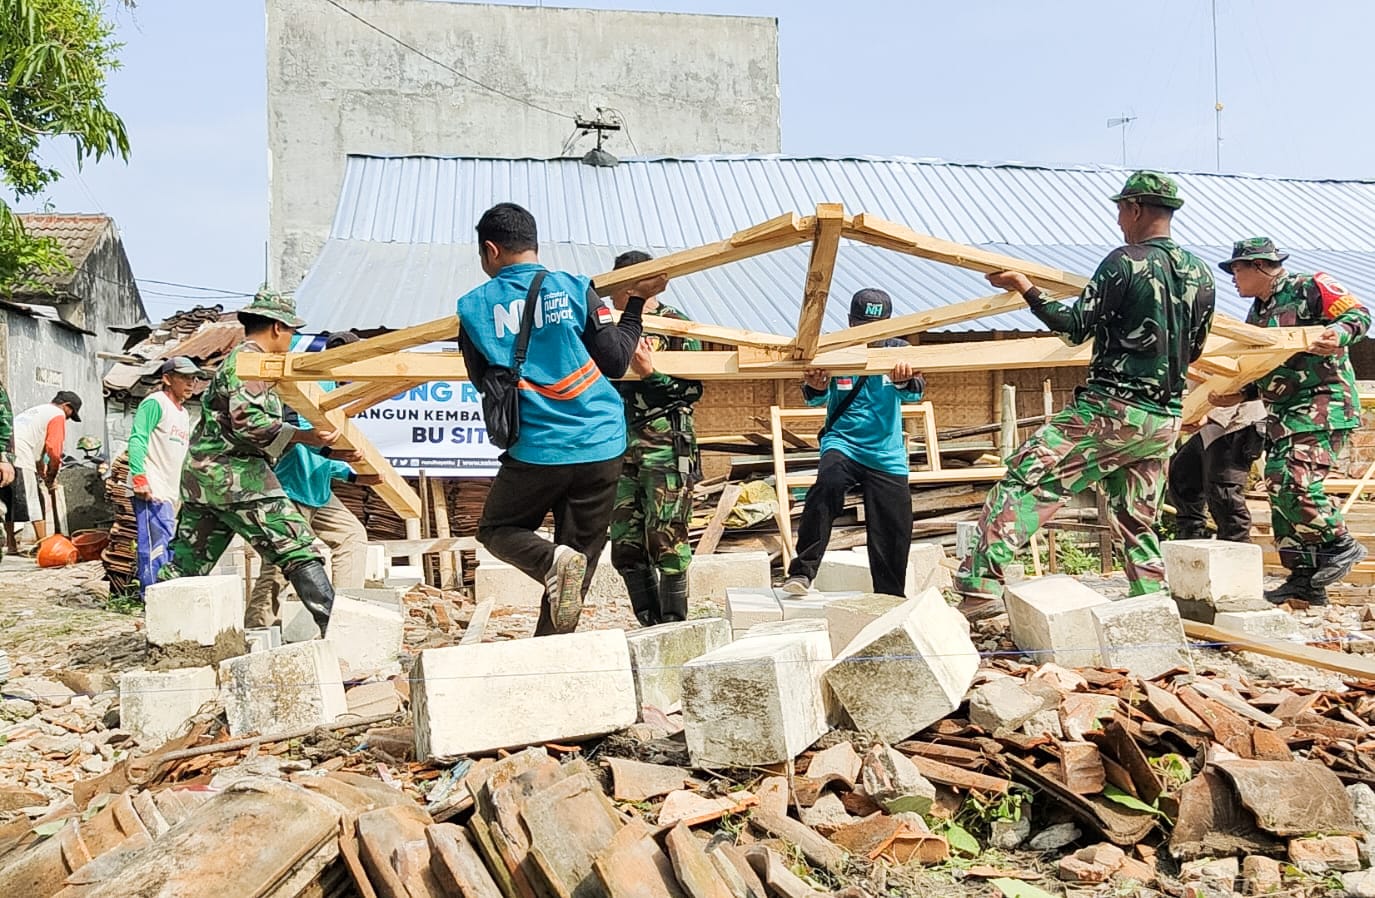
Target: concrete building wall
[684, 83]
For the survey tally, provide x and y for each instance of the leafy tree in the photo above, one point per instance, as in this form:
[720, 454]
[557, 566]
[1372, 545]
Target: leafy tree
[54, 59]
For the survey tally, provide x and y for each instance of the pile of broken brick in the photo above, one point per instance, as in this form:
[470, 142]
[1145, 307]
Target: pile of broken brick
[854, 745]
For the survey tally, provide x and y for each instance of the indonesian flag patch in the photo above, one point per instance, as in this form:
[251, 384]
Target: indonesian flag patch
[845, 383]
[603, 316]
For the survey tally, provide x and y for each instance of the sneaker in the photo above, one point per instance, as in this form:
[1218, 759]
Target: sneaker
[1342, 555]
[797, 585]
[563, 588]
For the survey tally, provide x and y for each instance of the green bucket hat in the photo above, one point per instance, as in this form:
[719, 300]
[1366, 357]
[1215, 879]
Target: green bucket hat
[269, 303]
[1253, 249]
[1150, 188]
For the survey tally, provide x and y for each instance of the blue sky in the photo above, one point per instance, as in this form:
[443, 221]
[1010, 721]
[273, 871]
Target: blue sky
[988, 80]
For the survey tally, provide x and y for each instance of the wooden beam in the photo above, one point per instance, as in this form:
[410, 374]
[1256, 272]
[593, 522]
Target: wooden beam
[406, 338]
[830, 219]
[711, 333]
[1251, 363]
[349, 393]
[304, 397]
[900, 238]
[380, 392]
[1357, 666]
[920, 322]
[701, 258]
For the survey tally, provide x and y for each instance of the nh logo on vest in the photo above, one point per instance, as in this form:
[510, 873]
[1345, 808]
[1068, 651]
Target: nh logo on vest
[551, 308]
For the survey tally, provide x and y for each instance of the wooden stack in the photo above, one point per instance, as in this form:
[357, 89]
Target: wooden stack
[120, 556]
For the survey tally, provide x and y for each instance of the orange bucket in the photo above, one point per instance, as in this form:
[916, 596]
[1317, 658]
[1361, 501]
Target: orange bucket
[56, 551]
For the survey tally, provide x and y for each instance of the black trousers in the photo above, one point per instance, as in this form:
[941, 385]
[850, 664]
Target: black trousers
[580, 496]
[887, 520]
[1215, 478]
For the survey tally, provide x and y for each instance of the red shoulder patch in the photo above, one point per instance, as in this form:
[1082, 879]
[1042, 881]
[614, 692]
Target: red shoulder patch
[603, 315]
[1333, 299]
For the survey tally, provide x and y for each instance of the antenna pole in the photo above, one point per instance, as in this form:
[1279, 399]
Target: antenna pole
[1217, 101]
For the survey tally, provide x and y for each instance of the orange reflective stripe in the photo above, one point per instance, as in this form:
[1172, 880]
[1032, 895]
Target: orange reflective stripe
[569, 387]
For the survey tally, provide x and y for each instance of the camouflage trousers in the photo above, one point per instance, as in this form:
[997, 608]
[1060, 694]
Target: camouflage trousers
[272, 526]
[1095, 440]
[1302, 518]
[649, 521]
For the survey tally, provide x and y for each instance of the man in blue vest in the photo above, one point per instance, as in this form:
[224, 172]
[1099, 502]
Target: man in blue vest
[862, 444]
[568, 456]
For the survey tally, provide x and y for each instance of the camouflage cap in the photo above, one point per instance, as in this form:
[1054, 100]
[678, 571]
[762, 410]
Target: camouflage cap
[1253, 249]
[269, 303]
[1150, 188]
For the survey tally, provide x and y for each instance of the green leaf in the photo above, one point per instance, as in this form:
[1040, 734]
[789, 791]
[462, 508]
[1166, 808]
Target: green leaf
[1015, 888]
[961, 840]
[1112, 793]
[51, 828]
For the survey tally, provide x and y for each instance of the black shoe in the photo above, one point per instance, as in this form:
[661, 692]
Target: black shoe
[1298, 585]
[641, 584]
[1339, 557]
[315, 592]
[673, 597]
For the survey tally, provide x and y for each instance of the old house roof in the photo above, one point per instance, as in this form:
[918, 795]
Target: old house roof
[205, 334]
[402, 246]
[77, 235]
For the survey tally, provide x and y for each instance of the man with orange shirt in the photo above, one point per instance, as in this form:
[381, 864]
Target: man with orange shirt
[39, 434]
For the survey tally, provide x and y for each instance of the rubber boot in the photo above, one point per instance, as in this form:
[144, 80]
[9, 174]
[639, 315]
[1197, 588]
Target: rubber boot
[315, 592]
[641, 584]
[1338, 558]
[673, 597]
[1298, 585]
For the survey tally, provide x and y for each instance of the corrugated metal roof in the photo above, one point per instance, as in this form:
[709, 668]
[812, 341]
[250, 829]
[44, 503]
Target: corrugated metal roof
[401, 248]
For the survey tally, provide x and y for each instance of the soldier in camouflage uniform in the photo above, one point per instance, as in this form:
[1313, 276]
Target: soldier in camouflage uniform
[649, 523]
[1313, 409]
[227, 484]
[6, 453]
[1148, 310]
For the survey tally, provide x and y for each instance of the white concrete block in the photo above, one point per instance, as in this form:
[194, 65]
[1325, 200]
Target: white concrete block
[1274, 623]
[710, 576]
[812, 605]
[366, 634]
[907, 669]
[1051, 618]
[657, 655]
[843, 571]
[925, 571]
[376, 564]
[193, 609]
[282, 689]
[507, 586]
[608, 586]
[154, 706]
[393, 597]
[1143, 634]
[756, 701]
[297, 623]
[1209, 575]
[472, 698]
[846, 617]
[404, 576]
[746, 607]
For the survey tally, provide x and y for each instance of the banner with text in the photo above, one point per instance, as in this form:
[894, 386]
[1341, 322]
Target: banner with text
[436, 427]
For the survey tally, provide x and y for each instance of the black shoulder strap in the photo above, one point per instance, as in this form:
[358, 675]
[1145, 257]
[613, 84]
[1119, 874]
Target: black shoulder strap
[840, 409]
[527, 320]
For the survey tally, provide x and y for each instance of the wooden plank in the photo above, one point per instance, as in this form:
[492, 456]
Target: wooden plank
[933, 446]
[701, 258]
[304, 397]
[710, 333]
[920, 322]
[407, 338]
[1358, 488]
[780, 480]
[787, 223]
[830, 218]
[439, 508]
[878, 232]
[717, 525]
[1358, 666]
[979, 474]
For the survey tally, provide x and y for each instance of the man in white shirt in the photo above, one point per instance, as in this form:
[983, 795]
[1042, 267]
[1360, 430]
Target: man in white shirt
[157, 448]
[39, 434]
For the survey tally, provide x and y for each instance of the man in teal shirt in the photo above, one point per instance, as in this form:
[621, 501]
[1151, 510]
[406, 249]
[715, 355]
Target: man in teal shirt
[307, 475]
[862, 444]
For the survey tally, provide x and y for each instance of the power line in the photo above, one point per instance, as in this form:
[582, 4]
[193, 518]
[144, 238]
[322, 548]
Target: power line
[444, 65]
[192, 287]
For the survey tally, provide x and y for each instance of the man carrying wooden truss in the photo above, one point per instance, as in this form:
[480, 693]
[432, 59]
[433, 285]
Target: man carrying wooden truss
[567, 457]
[862, 444]
[1313, 406]
[1148, 310]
